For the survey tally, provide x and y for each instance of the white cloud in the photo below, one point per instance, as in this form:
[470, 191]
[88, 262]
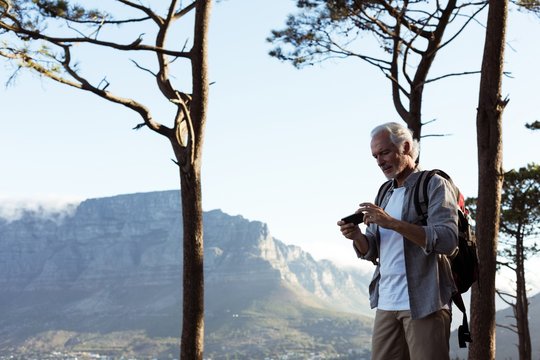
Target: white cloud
[51, 207]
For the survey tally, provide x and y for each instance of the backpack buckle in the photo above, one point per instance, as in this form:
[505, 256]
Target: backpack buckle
[464, 336]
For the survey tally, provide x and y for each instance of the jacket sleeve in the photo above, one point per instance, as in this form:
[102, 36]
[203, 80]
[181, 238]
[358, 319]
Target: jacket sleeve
[372, 254]
[442, 222]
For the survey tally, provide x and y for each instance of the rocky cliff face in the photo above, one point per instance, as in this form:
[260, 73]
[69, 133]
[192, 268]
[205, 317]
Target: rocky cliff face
[115, 264]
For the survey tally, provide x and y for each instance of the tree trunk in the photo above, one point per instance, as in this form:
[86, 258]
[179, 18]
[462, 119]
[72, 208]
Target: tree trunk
[522, 304]
[490, 175]
[414, 115]
[193, 276]
[192, 346]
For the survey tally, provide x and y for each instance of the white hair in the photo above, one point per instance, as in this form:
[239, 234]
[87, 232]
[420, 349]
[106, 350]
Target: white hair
[399, 135]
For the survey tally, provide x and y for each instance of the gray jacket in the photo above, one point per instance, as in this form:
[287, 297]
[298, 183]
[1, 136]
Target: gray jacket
[429, 275]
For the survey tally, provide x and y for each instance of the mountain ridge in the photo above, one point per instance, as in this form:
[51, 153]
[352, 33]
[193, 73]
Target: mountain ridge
[114, 265]
[106, 276]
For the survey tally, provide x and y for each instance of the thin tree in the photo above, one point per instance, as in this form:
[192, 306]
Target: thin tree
[520, 220]
[410, 34]
[490, 177]
[45, 37]
[519, 225]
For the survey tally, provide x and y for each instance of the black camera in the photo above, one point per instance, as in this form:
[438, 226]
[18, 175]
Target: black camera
[354, 218]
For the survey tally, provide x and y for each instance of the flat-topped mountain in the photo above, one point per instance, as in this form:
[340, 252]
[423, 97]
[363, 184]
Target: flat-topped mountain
[115, 265]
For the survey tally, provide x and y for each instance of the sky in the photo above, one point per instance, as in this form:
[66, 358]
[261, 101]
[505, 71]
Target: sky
[283, 146]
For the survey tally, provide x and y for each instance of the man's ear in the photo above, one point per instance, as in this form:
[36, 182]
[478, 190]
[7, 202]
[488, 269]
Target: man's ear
[407, 148]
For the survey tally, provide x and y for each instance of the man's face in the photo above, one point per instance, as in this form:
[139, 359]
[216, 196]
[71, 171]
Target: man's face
[390, 159]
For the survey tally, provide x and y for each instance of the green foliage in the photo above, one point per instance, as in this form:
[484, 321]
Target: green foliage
[333, 28]
[533, 126]
[470, 204]
[308, 36]
[533, 5]
[409, 34]
[528, 6]
[27, 23]
[42, 10]
[53, 8]
[520, 206]
[62, 9]
[520, 210]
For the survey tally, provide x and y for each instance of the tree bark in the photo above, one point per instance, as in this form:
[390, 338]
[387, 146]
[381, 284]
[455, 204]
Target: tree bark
[490, 176]
[192, 346]
[522, 303]
[414, 115]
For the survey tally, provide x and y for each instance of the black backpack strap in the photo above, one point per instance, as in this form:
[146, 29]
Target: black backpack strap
[383, 190]
[421, 204]
[464, 334]
[420, 195]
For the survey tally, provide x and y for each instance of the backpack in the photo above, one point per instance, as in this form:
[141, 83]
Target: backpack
[464, 264]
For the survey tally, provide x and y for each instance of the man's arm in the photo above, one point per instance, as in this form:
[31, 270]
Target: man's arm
[411, 232]
[442, 222]
[376, 215]
[352, 232]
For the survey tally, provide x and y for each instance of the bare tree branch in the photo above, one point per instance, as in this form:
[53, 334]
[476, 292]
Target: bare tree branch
[451, 75]
[143, 68]
[83, 84]
[104, 21]
[399, 15]
[507, 264]
[482, 5]
[394, 77]
[133, 46]
[508, 327]
[503, 296]
[162, 77]
[152, 15]
[185, 10]
[435, 135]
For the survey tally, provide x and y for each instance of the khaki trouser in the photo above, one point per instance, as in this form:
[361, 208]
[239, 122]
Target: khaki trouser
[397, 337]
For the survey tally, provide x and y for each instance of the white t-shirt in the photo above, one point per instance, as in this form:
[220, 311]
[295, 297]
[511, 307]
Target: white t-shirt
[393, 291]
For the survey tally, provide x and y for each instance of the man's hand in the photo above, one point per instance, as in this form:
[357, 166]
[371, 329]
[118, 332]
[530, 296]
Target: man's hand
[374, 214]
[352, 232]
[349, 230]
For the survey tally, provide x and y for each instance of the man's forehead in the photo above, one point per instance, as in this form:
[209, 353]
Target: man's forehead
[380, 142]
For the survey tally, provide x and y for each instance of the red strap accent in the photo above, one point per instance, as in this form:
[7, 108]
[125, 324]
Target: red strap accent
[461, 203]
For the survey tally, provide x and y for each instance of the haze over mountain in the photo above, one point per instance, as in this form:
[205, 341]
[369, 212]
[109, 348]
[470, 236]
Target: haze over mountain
[114, 265]
[105, 275]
